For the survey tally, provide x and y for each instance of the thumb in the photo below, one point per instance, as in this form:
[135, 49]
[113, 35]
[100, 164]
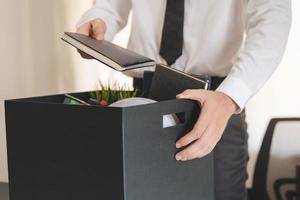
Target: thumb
[193, 94]
[99, 29]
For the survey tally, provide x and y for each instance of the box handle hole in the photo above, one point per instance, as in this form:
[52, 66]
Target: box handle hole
[173, 119]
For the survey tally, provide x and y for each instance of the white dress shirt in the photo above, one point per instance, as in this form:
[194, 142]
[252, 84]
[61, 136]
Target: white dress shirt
[241, 39]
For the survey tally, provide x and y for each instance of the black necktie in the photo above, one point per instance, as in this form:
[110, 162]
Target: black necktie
[172, 36]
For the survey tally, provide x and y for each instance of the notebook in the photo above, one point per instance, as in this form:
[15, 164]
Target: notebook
[168, 82]
[114, 56]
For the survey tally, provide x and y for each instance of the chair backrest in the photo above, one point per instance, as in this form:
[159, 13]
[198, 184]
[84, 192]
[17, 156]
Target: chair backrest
[268, 167]
[284, 155]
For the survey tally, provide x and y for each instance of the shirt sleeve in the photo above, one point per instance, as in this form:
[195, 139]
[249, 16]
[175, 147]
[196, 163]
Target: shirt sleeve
[113, 12]
[267, 29]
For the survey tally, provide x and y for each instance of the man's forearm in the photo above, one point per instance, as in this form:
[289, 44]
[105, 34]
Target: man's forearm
[268, 26]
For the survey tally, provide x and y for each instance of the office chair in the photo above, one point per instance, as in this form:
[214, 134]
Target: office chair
[259, 186]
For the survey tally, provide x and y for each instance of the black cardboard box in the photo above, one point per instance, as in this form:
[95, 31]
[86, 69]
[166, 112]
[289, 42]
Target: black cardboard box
[67, 152]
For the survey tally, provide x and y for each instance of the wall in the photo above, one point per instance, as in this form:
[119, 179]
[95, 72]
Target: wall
[280, 97]
[33, 61]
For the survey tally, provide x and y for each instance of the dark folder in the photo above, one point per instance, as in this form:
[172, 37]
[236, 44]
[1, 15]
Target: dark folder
[168, 82]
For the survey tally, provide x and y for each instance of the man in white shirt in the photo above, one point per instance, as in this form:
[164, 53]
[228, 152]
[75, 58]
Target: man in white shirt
[240, 41]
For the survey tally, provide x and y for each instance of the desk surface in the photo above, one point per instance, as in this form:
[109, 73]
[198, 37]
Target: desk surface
[4, 191]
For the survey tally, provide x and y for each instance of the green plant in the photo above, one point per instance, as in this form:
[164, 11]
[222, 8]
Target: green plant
[106, 95]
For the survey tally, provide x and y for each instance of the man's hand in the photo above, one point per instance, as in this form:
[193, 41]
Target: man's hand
[216, 110]
[95, 29]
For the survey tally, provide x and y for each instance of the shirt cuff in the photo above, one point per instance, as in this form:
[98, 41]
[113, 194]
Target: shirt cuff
[92, 14]
[237, 90]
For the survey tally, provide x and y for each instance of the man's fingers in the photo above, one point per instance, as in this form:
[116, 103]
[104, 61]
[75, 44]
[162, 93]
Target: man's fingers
[194, 134]
[188, 153]
[95, 28]
[199, 148]
[215, 112]
[187, 139]
[193, 94]
[191, 152]
[198, 129]
[98, 29]
[84, 29]
[207, 143]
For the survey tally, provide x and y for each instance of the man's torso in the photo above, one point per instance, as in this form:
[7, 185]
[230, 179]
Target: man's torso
[213, 33]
